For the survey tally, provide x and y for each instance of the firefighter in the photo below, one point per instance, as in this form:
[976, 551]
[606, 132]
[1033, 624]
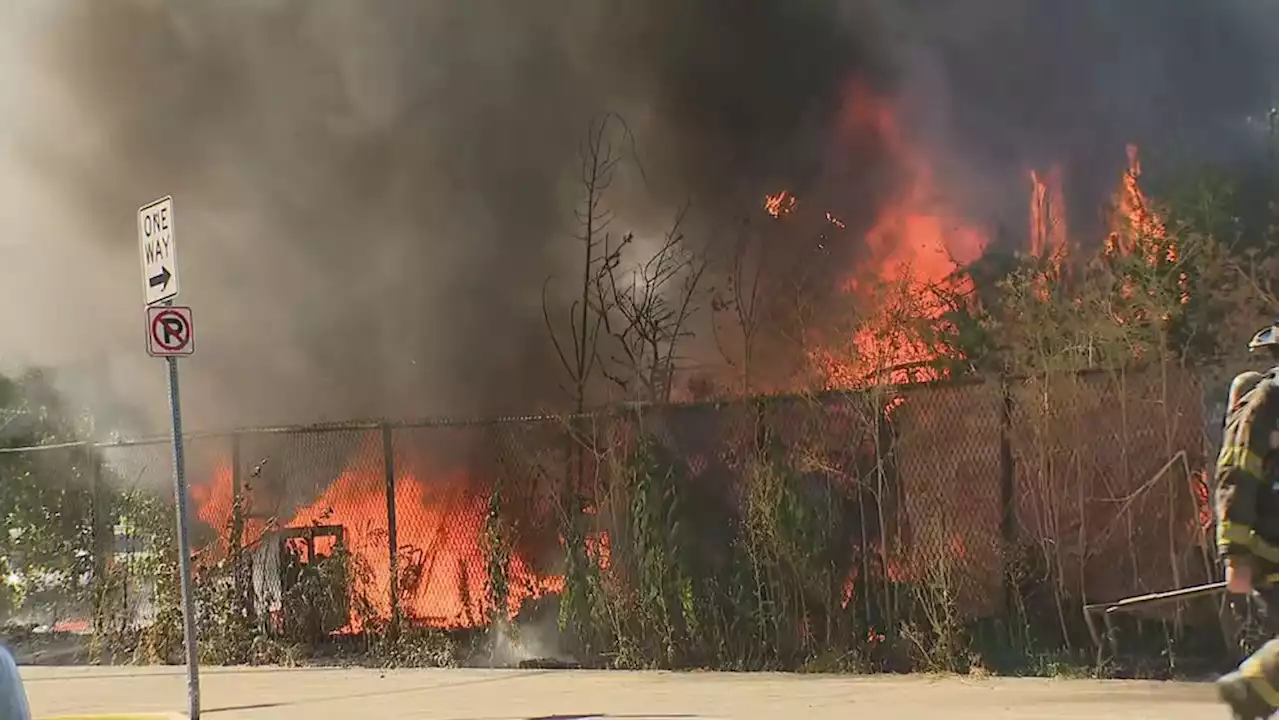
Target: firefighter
[1246, 507]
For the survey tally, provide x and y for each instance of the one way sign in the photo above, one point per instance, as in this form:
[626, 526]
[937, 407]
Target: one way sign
[158, 249]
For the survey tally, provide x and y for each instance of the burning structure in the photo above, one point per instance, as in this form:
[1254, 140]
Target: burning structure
[388, 541]
[283, 563]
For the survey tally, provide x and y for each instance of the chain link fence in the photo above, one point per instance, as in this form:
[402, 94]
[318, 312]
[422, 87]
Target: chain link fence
[779, 521]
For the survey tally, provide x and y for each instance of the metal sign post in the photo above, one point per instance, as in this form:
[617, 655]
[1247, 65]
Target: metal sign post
[184, 545]
[169, 335]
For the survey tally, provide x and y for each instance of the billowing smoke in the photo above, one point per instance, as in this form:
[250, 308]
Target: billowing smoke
[370, 196]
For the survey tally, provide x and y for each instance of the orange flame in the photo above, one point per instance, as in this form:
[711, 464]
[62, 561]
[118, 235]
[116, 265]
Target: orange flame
[442, 560]
[1135, 227]
[917, 244]
[1048, 223]
[783, 203]
[1138, 230]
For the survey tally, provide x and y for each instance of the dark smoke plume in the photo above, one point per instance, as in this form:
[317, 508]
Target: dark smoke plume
[370, 195]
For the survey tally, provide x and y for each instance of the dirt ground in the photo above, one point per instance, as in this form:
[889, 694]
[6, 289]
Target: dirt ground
[324, 694]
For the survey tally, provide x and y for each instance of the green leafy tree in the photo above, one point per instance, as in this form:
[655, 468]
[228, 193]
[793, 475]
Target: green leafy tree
[47, 549]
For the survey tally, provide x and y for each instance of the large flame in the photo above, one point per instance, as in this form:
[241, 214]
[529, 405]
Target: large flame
[442, 557]
[1048, 216]
[1138, 230]
[915, 247]
[919, 243]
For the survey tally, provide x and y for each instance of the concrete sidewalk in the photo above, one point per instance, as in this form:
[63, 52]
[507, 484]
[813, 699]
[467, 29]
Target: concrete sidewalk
[330, 694]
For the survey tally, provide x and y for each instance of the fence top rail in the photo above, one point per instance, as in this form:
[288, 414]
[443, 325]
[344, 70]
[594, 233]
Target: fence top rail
[447, 422]
[323, 427]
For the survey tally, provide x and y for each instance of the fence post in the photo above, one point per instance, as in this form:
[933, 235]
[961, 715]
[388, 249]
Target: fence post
[236, 480]
[101, 547]
[236, 541]
[389, 465]
[1008, 511]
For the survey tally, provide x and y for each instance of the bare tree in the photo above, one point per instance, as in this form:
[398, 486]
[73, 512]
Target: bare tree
[649, 310]
[640, 314]
[741, 302]
[772, 298]
[580, 355]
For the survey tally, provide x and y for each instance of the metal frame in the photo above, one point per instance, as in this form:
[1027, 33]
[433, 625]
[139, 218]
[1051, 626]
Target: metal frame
[1107, 610]
[266, 600]
[309, 534]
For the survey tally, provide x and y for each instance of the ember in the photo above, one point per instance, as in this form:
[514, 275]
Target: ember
[780, 204]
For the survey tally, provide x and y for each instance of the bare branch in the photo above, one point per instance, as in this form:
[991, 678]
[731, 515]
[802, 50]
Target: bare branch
[551, 331]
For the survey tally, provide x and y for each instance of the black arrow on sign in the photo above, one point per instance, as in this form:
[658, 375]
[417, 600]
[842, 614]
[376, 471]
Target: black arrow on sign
[161, 280]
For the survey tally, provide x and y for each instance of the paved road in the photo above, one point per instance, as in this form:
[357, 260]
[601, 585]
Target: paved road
[325, 694]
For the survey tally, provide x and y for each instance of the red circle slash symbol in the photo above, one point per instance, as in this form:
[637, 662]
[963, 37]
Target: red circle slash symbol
[170, 330]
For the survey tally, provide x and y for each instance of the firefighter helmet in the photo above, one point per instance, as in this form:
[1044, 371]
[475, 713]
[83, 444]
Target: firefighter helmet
[1266, 338]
